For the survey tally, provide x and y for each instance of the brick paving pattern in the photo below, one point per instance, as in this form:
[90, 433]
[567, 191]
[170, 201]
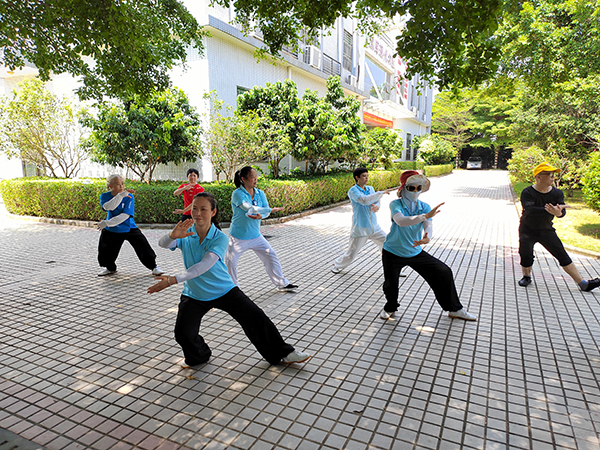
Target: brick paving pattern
[90, 363]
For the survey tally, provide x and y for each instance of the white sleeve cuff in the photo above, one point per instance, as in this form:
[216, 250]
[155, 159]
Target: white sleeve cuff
[198, 269]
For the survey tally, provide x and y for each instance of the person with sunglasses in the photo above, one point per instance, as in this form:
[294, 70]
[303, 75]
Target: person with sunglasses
[365, 203]
[412, 228]
[249, 206]
[541, 203]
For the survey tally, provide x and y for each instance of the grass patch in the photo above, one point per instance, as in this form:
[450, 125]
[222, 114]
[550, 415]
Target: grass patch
[580, 227]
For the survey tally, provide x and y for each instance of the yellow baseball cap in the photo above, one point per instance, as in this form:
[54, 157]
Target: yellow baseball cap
[544, 167]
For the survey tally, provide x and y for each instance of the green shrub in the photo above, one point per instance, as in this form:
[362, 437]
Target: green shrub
[409, 165]
[522, 163]
[591, 182]
[154, 203]
[433, 150]
[434, 171]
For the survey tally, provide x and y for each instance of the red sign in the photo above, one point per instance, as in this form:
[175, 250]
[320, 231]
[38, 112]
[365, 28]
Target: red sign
[372, 119]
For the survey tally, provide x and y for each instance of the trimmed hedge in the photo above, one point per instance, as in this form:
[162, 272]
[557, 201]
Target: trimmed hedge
[435, 171]
[154, 203]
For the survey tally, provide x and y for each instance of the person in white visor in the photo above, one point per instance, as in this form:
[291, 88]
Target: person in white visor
[412, 228]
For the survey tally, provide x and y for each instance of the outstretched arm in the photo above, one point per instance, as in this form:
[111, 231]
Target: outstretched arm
[365, 199]
[194, 271]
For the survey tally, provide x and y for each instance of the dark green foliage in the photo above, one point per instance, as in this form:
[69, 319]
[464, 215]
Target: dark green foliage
[143, 132]
[119, 48]
[591, 182]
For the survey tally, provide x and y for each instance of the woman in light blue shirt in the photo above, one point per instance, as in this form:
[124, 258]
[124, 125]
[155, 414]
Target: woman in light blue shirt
[207, 285]
[412, 228]
[249, 206]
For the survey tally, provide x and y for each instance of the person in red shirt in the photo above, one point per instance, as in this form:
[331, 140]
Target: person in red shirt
[189, 190]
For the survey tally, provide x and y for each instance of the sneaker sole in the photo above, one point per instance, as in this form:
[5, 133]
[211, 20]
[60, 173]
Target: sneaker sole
[297, 362]
[463, 318]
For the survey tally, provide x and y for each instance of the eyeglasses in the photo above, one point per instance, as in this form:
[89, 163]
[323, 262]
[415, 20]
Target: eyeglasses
[414, 188]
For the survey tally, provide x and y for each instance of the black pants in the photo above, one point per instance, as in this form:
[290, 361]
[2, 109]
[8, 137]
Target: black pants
[549, 240]
[110, 245]
[437, 275]
[258, 327]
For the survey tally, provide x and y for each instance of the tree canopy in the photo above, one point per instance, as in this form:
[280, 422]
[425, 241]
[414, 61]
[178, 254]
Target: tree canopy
[140, 134]
[42, 129]
[446, 40]
[118, 48]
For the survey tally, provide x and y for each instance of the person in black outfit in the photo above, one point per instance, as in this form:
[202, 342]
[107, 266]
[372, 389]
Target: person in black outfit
[541, 203]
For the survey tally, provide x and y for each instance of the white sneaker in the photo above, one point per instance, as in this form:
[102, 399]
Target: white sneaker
[461, 314]
[295, 357]
[387, 315]
[106, 272]
[157, 272]
[335, 270]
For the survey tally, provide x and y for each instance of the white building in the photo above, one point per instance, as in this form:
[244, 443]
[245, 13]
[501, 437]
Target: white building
[367, 69]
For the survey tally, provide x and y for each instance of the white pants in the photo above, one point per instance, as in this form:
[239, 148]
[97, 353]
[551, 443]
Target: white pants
[265, 253]
[356, 243]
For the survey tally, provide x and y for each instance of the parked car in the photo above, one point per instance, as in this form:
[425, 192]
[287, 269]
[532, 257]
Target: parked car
[474, 162]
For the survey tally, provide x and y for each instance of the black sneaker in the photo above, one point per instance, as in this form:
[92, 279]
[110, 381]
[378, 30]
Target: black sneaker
[289, 288]
[592, 284]
[525, 281]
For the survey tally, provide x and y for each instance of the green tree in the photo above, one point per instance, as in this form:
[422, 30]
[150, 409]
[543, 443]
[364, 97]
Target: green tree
[591, 182]
[433, 150]
[42, 129]
[141, 134]
[451, 119]
[328, 127]
[444, 41]
[233, 140]
[118, 48]
[277, 105]
[549, 42]
[380, 147]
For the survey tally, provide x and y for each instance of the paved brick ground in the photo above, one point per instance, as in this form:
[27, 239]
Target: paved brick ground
[89, 362]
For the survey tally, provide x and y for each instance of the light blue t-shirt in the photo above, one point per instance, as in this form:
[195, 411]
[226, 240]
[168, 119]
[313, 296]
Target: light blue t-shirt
[242, 226]
[215, 282]
[126, 206]
[401, 239]
[364, 221]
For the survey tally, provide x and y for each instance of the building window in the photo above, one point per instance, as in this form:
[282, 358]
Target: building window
[408, 146]
[348, 51]
[241, 90]
[377, 81]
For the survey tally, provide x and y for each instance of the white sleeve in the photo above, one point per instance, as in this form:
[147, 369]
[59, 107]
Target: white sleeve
[369, 199]
[198, 269]
[404, 221]
[245, 206]
[113, 222]
[428, 228]
[115, 201]
[263, 211]
[167, 242]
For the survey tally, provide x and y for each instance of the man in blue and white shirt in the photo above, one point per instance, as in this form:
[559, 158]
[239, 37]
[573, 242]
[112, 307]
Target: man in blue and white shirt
[365, 203]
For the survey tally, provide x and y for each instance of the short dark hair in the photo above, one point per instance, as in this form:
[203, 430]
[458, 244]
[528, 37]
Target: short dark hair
[358, 172]
[192, 170]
